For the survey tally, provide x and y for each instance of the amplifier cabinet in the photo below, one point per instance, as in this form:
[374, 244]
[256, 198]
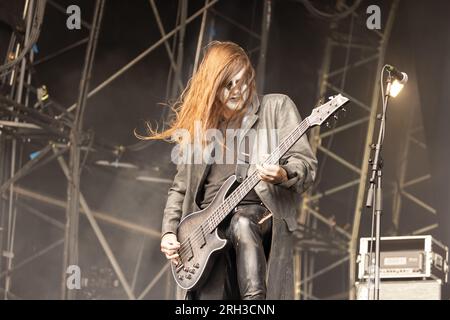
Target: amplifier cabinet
[413, 257]
[402, 290]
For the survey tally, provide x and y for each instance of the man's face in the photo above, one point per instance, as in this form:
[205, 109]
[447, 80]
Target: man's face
[239, 95]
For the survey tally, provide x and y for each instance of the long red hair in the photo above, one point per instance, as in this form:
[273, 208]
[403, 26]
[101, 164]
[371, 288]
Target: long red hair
[200, 100]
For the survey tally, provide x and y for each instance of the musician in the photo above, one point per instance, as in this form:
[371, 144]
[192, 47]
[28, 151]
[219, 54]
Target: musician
[258, 263]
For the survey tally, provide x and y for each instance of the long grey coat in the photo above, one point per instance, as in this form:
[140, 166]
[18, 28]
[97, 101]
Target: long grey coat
[276, 111]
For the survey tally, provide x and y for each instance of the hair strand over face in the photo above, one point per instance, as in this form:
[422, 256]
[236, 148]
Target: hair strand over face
[200, 100]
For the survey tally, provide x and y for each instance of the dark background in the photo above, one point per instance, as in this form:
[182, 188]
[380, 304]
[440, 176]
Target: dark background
[419, 45]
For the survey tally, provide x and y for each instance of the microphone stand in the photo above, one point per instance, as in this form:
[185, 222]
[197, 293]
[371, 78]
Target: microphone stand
[374, 194]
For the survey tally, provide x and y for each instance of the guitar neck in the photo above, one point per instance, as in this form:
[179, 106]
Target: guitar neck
[251, 181]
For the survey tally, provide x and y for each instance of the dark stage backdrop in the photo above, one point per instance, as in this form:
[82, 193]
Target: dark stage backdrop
[420, 45]
[429, 36]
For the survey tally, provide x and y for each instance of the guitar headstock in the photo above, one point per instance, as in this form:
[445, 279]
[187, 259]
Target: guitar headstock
[320, 114]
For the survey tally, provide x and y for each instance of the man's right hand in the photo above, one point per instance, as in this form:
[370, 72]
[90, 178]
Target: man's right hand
[170, 246]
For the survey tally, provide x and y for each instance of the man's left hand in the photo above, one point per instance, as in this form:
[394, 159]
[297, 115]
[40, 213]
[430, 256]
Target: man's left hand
[272, 173]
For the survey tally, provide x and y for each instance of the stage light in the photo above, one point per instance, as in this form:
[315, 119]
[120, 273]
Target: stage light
[395, 88]
[116, 164]
[154, 179]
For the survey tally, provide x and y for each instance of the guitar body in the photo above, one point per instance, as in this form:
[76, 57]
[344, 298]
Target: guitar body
[198, 250]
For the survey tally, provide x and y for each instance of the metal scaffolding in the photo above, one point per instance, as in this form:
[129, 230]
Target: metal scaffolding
[350, 46]
[369, 55]
[60, 130]
[73, 173]
[411, 182]
[321, 231]
[17, 80]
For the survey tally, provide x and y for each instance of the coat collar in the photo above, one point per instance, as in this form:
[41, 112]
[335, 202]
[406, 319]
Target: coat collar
[250, 117]
[254, 105]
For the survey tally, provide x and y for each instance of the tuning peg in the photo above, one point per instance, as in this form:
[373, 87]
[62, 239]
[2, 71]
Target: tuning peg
[344, 110]
[327, 124]
[335, 116]
[320, 102]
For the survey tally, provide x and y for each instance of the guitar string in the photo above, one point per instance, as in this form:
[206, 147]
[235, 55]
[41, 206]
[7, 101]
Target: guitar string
[215, 218]
[287, 144]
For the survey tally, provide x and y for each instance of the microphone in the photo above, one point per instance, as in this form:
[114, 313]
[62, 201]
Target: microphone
[400, 76]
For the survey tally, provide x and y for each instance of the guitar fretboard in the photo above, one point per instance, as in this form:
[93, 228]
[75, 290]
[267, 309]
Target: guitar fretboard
[252, 180]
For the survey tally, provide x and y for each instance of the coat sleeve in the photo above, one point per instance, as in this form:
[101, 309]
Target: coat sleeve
[299, 162]
[174, 204]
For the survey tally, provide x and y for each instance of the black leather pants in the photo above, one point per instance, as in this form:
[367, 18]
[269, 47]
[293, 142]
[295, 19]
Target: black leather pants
[239, 271]
[246, 235]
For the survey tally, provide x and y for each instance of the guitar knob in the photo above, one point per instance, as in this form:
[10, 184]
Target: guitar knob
[192, 270]
[188, 276]
[186, 269]
[180, 278]
[197, 265]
